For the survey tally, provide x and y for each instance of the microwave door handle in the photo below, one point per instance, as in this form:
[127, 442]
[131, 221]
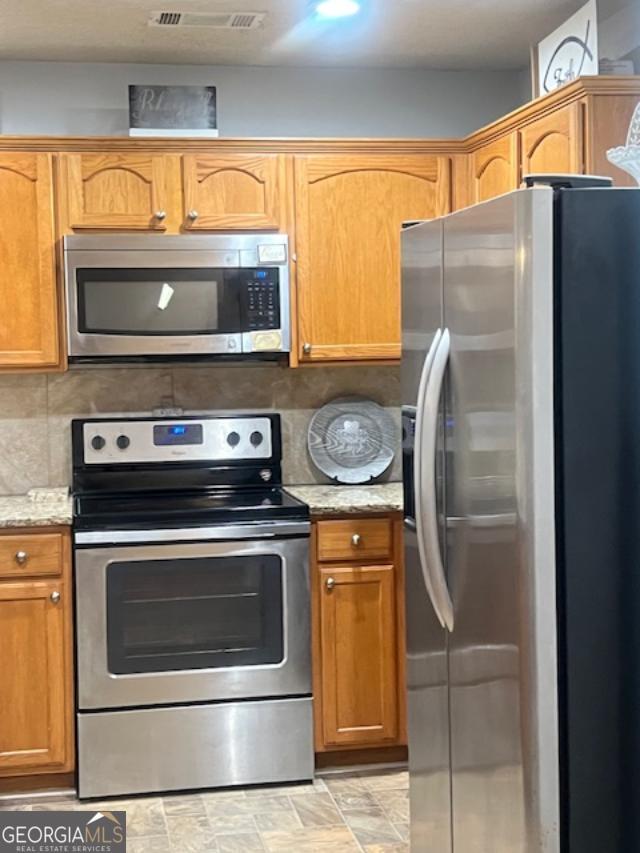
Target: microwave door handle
[418, 451]
[428, 520]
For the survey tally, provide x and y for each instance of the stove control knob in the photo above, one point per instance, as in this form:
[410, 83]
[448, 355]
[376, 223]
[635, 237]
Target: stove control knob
[123, 441]
[98, 442]
[256, 438]
[233, 439]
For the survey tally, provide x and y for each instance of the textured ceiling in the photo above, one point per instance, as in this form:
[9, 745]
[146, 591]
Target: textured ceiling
[395, 33]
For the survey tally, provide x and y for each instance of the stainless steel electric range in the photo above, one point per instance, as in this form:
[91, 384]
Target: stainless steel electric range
[192, 599]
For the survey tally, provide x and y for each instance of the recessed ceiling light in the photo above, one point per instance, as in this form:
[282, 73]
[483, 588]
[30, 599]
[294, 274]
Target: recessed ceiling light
[337, 8]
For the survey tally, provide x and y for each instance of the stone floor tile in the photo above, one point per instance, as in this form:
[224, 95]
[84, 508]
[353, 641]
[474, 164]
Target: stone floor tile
[316, 787]
[343, 784]
[395, 804]
[356, 800]
[403, 830]
[247, 843]
[393, 847]
[276, 821]
[328, 839]
[183, 805]
[246, 805]
[317, 810]
[151, 844]
[145, 817]
[398, 779]
[234, 823]
[371, 830]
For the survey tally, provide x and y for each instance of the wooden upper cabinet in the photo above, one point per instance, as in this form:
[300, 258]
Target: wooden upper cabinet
[494, 169]
[358, 652]
[34, 711]
[349, 212]
[115, 191]
[553, 143]
[29, 323]
[233, 191]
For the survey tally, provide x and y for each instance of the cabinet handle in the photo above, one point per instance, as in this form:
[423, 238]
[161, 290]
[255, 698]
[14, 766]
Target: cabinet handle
[193, 215]
[55, 597]
[330, 583]
[21, 557]
[306, 349]
[355, 540]
[161, 214]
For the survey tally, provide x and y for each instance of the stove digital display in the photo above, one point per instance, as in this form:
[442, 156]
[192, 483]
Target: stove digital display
[173, 434]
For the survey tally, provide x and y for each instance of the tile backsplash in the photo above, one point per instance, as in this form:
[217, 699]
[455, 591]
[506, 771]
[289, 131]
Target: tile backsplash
[35, 411]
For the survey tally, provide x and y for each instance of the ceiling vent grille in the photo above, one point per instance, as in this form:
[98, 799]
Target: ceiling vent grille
[228, 21]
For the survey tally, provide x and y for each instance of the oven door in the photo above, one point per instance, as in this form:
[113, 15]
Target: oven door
[194, 622]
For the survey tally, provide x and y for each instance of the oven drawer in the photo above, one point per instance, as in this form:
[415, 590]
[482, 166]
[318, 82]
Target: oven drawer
[354, 539]
[25, 555]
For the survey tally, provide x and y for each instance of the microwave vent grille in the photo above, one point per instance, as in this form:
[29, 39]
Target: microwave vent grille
[211, 20]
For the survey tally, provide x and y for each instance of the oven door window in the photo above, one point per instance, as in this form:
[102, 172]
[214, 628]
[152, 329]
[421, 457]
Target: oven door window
[158, 301]
[202, 613]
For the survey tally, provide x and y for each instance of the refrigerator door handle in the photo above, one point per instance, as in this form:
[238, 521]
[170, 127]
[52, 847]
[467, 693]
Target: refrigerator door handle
[418, 468]
[428, 518]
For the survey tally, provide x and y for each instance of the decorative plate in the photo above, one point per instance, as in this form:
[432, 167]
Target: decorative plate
[352, 440]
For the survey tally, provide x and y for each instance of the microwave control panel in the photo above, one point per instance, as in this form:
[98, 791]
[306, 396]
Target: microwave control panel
[262, 299]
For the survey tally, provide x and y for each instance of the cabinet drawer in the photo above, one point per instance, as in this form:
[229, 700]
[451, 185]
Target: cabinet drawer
[30, 554]
[354, 539]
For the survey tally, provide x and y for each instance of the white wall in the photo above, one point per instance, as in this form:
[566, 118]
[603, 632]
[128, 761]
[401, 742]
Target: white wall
[91, 99]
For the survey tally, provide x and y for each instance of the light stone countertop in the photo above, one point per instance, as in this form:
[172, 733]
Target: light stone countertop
[347, 500]
[38, 508]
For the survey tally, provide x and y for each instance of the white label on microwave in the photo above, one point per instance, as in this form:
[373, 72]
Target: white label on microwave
[165, 296]
[272, 254]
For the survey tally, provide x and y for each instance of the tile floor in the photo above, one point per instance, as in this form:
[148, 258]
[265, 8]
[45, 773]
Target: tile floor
[343, 813]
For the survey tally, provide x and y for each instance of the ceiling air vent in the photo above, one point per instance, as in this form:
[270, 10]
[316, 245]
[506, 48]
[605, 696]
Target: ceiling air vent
[227, 21]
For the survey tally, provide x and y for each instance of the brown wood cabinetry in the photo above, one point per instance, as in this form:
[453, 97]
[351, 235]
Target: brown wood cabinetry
[358, 627]
[115, 191]
[493, 169]
[29, 320]
[349, 211]
[36, 711]
[553, 143]
[340, 201]
[233, 191]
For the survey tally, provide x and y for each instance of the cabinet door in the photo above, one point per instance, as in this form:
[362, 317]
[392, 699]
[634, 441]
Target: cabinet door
[349, 212]
[553, 143]
[115, 191]
[29, 315]
[233, 191]
[494, 168]
[358, 649]
[34, 708]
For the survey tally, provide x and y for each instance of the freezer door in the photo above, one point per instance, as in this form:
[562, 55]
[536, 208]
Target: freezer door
[427, 678]
[498, 308]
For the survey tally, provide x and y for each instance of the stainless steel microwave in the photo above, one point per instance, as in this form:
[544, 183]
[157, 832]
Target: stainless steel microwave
[153, 297]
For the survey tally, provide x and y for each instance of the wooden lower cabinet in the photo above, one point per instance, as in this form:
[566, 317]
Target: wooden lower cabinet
[358, 643]
[36, 709]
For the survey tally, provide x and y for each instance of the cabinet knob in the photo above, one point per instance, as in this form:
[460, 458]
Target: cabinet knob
[161, 214]
[55, 597]
[193, 215]
[21, 557]
[330, 583]
[306, 349]
[355, 540]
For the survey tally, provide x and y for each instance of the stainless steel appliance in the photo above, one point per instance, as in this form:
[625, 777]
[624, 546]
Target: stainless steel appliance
[521, 433]
[154, 297]
[192, 606]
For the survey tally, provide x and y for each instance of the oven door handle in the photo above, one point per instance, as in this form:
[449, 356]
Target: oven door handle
[221, 532]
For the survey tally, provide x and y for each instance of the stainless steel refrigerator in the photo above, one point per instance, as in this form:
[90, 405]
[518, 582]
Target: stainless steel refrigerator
[521, 446]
